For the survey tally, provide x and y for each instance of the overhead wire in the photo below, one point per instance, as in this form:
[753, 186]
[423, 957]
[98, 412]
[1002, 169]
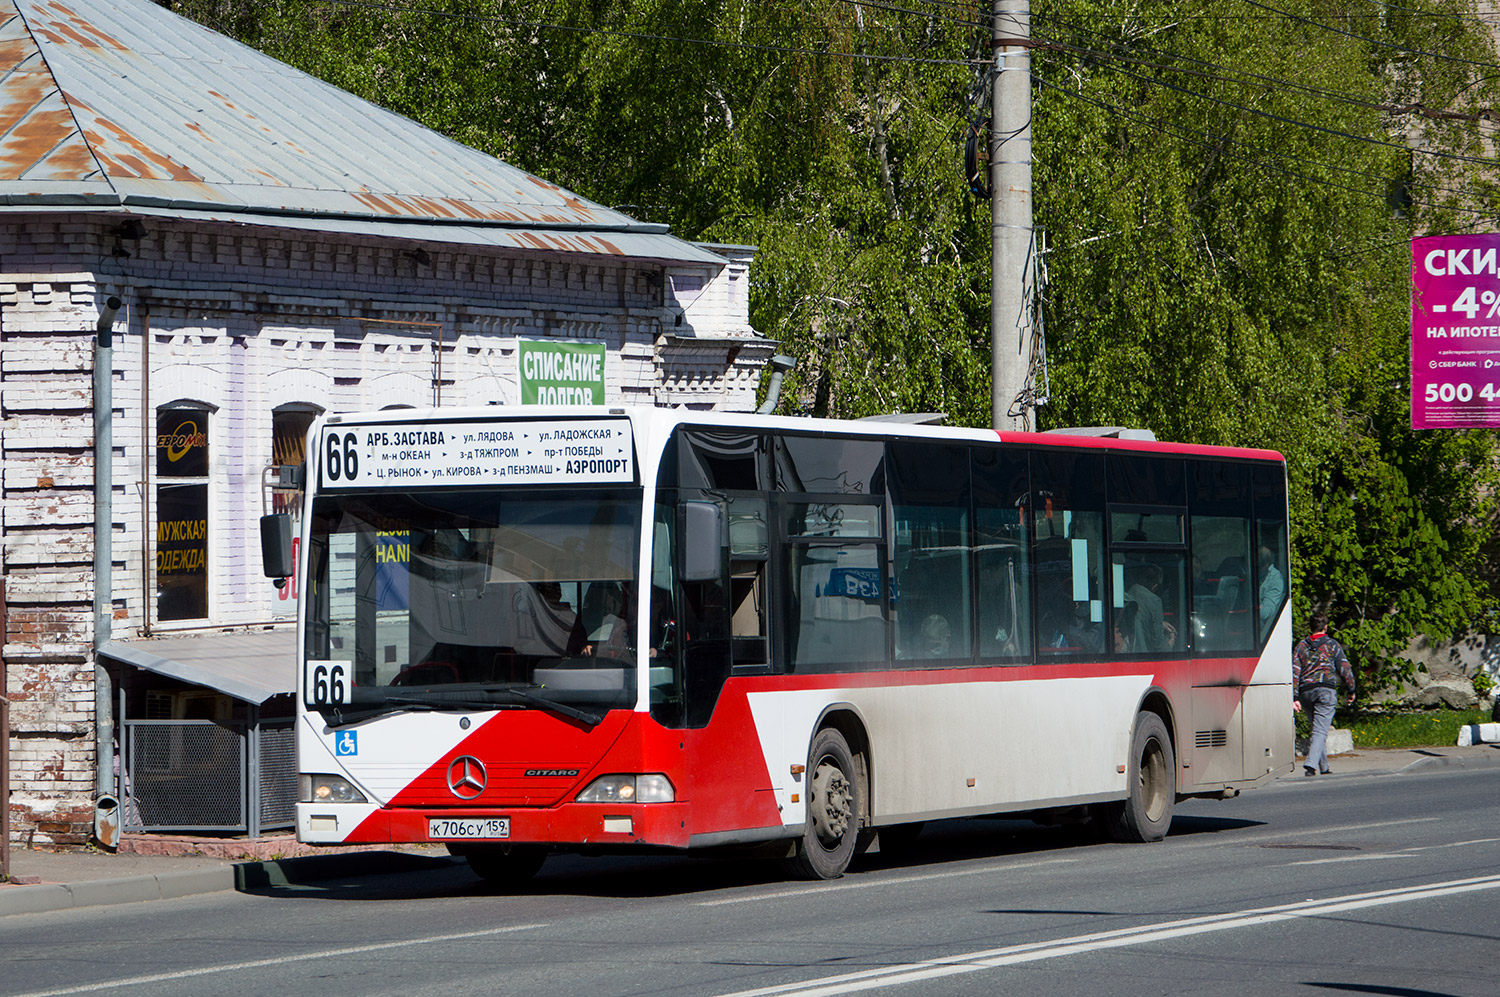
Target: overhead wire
[1310, 126]
[639, 35]
[1105, 57]
[1164, 128]
[1365, 38]
[1220, 15]
[1216, 71]
[1324, 257]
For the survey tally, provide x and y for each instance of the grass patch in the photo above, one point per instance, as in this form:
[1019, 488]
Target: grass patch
[1417, 729]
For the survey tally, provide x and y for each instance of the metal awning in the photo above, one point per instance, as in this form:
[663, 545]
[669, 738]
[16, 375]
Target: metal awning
[250, 665]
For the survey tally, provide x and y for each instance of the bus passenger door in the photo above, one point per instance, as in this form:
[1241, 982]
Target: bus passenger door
[1222, 628]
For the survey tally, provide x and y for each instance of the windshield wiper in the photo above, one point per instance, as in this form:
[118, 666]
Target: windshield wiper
[583, 716]
[484, 700]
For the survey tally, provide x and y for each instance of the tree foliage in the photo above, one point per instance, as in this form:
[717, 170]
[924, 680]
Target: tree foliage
[1228, 189]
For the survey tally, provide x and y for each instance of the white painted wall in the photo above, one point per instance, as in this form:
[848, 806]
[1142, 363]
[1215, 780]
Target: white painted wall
[246, 319]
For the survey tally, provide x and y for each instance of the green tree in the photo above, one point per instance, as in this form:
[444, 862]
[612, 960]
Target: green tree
[1232, 267]
[1228, 189]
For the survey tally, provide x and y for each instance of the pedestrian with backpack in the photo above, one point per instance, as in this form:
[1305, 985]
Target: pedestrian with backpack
[1319, 667]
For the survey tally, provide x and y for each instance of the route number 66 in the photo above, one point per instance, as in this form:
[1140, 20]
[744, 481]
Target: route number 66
[341, 458]
[327, 683]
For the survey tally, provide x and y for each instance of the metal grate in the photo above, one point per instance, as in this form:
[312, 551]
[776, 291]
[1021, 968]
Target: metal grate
[184, 774]
[278, 775]
[1211, 739]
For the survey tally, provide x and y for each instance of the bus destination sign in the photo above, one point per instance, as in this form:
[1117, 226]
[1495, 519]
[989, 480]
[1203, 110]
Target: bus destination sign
[449, 454]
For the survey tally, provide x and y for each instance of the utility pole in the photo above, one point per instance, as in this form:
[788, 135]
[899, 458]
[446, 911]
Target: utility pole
[1013, 275]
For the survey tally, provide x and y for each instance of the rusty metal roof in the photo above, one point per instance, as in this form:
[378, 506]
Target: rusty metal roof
[121, 104]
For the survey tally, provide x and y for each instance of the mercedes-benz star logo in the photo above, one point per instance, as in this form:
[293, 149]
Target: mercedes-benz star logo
[466, 777]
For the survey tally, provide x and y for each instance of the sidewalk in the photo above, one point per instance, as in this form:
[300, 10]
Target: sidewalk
[1404, 760]
[157, 867]
[160, 867]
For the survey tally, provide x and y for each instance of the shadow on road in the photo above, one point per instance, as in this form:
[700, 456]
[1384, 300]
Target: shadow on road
[1361, 988]
[403, 876]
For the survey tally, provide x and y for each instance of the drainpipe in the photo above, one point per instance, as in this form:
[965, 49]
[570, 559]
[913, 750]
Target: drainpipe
[104, 718]
[780, 364]
[143, 308]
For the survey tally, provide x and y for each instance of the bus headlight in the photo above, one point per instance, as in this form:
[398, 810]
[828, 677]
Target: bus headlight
[327, 789]
[650, 788]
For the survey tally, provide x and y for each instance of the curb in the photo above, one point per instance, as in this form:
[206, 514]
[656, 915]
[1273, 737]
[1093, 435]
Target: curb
[125, 890]
[1437, 761]
[245, 877]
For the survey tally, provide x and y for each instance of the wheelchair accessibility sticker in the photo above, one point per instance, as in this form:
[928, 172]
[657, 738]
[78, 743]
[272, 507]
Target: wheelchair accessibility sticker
[347, 743]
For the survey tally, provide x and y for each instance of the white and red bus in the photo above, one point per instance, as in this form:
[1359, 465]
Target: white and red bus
[611, 628]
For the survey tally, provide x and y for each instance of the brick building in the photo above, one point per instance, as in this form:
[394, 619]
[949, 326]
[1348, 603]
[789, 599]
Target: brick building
[277, 248]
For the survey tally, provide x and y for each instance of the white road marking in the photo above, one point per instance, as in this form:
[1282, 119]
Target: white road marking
[1451, 844]
[1010, 955]
[1378, 823]
[1214, 839]
[1404, 853]
[817, 890]
[1354, 858]
[187, 974]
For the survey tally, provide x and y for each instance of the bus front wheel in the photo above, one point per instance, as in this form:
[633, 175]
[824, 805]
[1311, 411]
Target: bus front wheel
[834, 805]
[507, 866]
[1151, 775]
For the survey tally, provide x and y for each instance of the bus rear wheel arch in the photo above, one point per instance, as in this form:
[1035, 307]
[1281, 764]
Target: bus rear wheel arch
[835, 809]
[1151, 785]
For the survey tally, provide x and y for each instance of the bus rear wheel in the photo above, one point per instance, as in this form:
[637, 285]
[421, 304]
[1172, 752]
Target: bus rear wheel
[1151, 771]
[506, 866]
[835, 801]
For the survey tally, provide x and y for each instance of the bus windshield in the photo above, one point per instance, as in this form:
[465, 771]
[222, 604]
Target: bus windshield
[476, 599]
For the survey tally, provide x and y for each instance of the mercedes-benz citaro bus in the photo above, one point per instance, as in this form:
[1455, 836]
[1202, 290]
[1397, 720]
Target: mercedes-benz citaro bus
[527, 630]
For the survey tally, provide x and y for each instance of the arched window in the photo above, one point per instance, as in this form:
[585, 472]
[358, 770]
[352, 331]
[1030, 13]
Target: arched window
[289, 425]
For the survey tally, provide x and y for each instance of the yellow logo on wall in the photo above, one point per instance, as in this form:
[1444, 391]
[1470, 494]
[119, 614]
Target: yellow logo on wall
[181, 440]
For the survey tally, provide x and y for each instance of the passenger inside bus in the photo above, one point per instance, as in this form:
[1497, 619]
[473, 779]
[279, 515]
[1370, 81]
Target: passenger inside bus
[603, 627]
[1152, 631]
[1125, 619]
[936, 636]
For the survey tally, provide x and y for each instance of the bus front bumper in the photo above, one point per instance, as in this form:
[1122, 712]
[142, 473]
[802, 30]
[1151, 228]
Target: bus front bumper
[578, 824]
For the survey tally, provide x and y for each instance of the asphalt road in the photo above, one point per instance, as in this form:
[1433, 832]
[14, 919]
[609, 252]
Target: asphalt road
[1385, 884]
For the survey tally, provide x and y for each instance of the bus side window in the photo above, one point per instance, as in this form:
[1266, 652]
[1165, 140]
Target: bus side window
[664, 642]
[749, 548]
[836, 586]
[1222, 589]
[1068, 511]
[1148, 542]
[931, 602]
[1269, 486]
[1002, 552]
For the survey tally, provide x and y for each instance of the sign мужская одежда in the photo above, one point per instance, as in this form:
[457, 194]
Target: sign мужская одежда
[1455, 332]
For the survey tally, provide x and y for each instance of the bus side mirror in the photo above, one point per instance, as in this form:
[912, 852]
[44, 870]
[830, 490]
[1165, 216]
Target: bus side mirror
[701, 529]
[276, 545]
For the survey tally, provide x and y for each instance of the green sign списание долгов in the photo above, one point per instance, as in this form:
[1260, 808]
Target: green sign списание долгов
[561, 373]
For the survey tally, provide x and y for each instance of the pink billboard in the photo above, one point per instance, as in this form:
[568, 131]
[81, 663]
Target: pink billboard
[1455, 332]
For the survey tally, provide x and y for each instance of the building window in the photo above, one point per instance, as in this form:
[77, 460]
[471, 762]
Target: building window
[182, 512]
[289, 426]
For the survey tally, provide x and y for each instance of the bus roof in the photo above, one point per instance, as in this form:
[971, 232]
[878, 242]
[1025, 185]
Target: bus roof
[664, 419]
